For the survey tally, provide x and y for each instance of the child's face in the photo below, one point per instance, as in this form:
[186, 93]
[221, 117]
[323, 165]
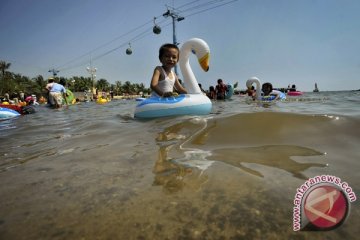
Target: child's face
[170, 57]
[266, 90]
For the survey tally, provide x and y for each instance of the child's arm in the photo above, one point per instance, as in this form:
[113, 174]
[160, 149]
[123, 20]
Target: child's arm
[179, 87]
[276, 94]
[155, 81]
[48, 87]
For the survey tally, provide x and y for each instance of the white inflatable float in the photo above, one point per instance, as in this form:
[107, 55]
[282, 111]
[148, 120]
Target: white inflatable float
[230, 90]
[258, 96]
[193, 103]
[8, 113]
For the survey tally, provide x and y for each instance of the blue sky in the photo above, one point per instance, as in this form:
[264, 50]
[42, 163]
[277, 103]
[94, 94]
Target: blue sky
[279, 41]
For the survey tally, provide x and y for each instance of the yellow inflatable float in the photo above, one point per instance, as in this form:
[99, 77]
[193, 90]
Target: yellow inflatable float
[101, 100]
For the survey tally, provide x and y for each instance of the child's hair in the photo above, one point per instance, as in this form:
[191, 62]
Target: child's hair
[165, 47]
[266, 85]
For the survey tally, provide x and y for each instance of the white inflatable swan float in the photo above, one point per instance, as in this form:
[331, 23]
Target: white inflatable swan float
[193, 103]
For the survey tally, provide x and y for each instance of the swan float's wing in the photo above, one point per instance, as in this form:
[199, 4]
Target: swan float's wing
[202, 51]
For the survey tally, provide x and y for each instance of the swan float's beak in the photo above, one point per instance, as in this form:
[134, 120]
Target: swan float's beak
[204, 62]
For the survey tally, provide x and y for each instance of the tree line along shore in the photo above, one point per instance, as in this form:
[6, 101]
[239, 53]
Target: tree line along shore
[14, 83]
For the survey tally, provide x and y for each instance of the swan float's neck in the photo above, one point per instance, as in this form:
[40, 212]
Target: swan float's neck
[201, 49]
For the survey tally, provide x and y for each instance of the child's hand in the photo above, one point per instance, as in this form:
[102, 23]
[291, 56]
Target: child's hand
[167, 94]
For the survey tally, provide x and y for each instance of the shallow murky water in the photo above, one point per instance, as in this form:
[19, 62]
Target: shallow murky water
[93, 172]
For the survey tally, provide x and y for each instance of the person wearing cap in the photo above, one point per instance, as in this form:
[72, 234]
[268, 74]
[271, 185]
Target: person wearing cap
[49, 84]
[6, 97]
[48, 88]
[22, 96]
[34, 99]
[57, 93]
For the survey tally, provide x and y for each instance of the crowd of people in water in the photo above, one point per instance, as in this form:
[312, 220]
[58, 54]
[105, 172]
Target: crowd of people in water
[218, 92]
[164, 83]
[56, 96]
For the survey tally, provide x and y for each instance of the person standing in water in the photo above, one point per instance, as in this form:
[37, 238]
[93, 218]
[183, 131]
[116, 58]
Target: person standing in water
[164, 80]
[57, 93]
[220, 89]
[212, 93]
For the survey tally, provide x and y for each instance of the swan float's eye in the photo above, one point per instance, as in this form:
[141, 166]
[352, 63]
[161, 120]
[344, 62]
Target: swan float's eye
[193, 51]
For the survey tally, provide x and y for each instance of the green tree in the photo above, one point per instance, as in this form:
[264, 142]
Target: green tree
[38, 86]
[103, 85]
[14, 83]
[127, 88]
[81, 84]
[118, 88]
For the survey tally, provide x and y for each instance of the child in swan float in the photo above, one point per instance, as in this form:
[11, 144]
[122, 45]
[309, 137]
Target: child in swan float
[164, 80]
[268, 91]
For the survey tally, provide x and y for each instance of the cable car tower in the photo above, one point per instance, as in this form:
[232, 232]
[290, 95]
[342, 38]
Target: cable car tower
[175, 18]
